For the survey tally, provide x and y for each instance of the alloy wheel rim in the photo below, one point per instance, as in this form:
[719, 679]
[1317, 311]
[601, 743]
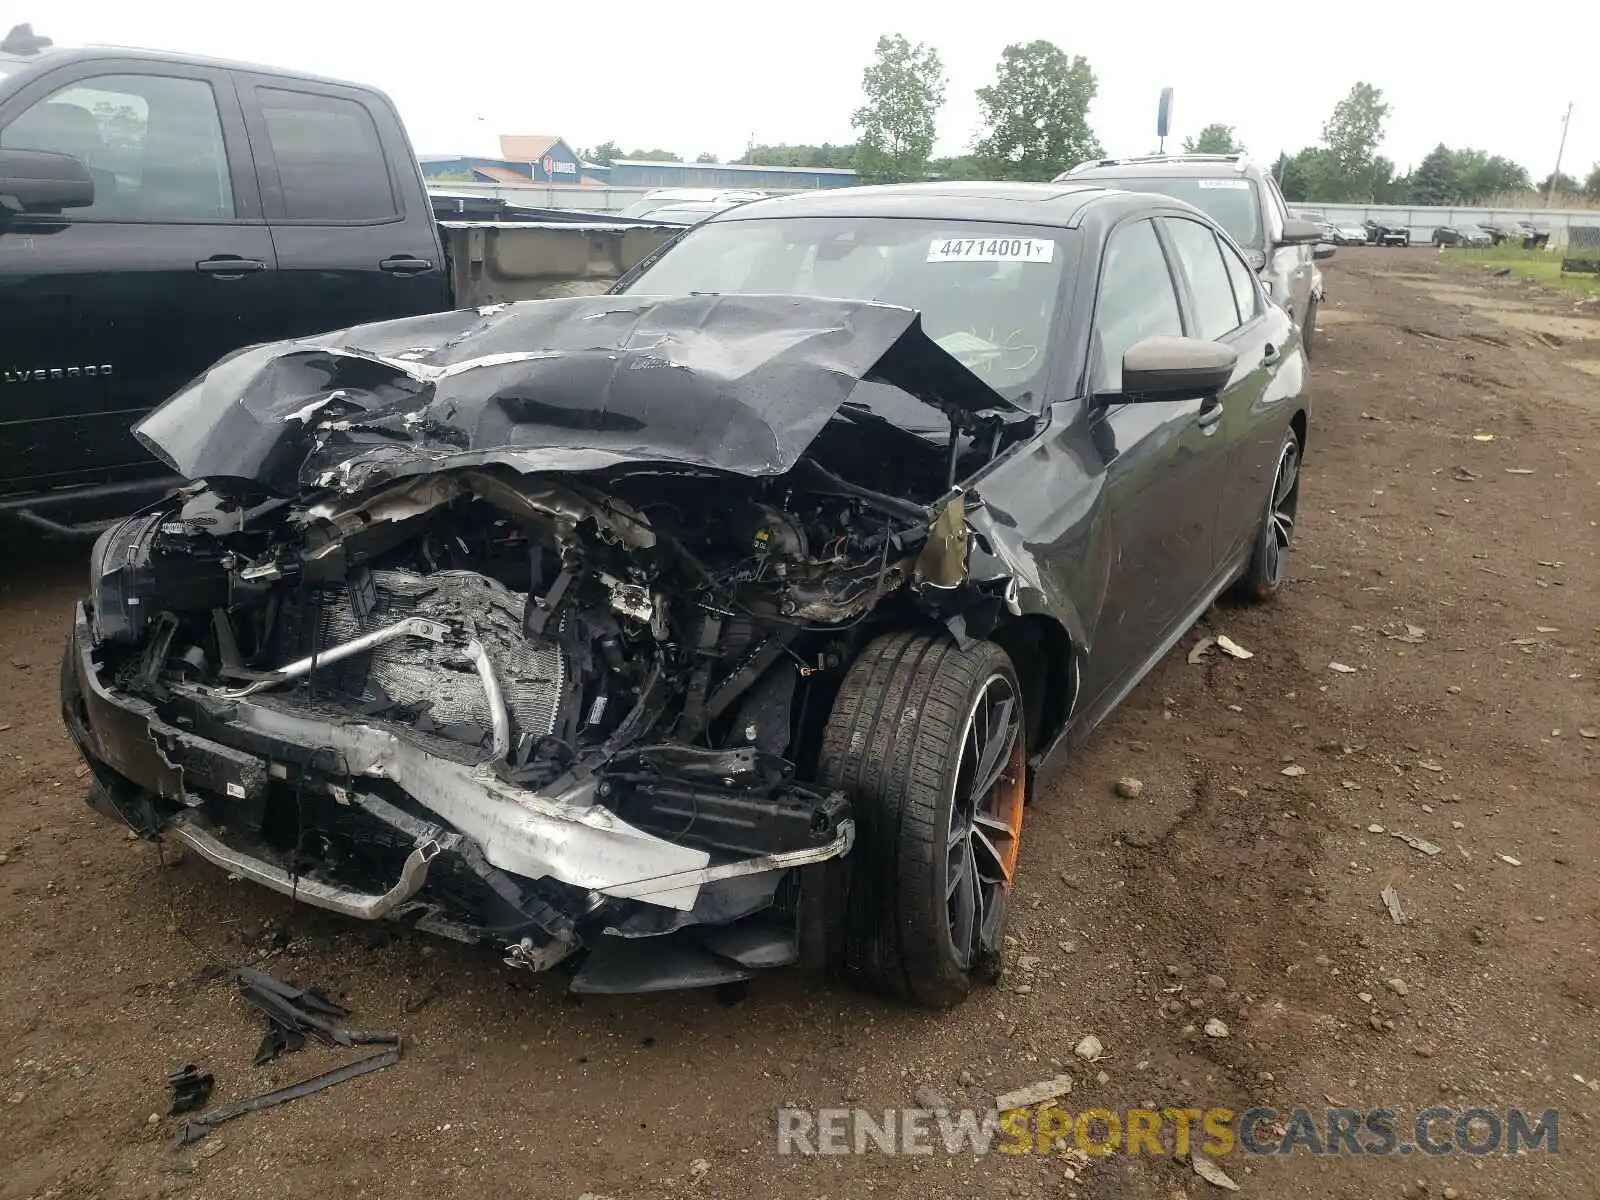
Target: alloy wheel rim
[985, 821]
[1285, 503]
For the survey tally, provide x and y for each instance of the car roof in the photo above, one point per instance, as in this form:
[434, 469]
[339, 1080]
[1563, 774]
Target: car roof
[1164, 166]
[1053, 204]
[50, 57]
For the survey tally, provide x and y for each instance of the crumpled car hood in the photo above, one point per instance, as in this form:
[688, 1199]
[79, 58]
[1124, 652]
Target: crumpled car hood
[741, 384]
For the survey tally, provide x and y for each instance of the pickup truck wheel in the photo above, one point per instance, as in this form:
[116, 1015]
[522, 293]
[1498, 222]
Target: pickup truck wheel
[1269, 563]
[926, 738]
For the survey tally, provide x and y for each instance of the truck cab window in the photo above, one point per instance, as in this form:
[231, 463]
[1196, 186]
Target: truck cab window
[153, 145]
[331, 164]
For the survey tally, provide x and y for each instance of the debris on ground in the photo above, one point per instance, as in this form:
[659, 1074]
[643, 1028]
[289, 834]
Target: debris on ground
[1213, 1174]
[1216, 1028]
[1391, 901]
[1508, 860]
[1293, 771]
[1228, 646]
[1200, 650]
[292, 1013]
[1414, 634]
[190, 1089]
[1034, 1093]
[1342, 668]
[931, 1101]
[1128, 787]
[1090, 1049]
[1416, 843]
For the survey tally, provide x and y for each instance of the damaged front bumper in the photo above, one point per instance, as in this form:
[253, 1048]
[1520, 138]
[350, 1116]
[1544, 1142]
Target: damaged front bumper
[349, 815]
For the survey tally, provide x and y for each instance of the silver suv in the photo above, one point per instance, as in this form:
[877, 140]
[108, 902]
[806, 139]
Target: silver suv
[1244, 199]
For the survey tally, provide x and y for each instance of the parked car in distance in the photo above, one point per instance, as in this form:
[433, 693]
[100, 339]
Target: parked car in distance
[1244, 199]
[1381, 234]
[564, 635]
[686, 206]
[1462, 235]
[1349, 233]
[1530, 235]
[228, 204]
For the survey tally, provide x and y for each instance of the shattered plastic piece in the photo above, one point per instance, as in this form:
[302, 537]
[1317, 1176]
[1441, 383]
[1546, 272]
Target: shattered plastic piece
[1342, 668]
[1508, 860]
[196, 1129]
[1293, 770]
[1228, 646]
[1416, 843]
[1201, 648]
[1483, 437]
[190, 1089]
[1391, 901]
[1034, 1093]
[1208, 1170]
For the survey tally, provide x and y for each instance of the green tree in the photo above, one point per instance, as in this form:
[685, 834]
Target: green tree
[782, 154]
[654, 156]
[1352, 135]
[602, 155]
[1387, 187]
[1213, 139]
[961, 166]
[1036, 113]
[1591, 185]
[904, 86]
[705, 156]
[1565, 185]
[1434, 180]
[1481, 176]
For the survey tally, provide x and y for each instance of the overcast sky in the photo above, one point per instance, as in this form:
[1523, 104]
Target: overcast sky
[709, 76]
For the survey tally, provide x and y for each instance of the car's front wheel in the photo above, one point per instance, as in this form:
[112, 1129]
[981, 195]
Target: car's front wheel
[927, 739]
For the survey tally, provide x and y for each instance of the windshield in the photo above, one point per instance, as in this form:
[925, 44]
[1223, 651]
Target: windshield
[1230, 202]
[987, 292]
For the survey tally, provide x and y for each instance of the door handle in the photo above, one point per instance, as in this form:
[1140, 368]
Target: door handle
[404, 264]
[1270, 355]
[1210, 414]
[229, 266]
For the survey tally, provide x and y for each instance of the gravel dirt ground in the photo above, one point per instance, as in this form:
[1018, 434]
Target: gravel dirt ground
[1455, 575]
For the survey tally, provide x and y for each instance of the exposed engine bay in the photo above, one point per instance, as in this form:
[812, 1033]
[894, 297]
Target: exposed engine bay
[561, 710]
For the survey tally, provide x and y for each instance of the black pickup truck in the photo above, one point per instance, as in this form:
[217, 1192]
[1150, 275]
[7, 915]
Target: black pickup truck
[158, 211]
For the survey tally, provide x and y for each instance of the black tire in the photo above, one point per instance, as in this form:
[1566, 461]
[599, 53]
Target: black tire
[1308, 330]
[1269, 561]
[904, 728]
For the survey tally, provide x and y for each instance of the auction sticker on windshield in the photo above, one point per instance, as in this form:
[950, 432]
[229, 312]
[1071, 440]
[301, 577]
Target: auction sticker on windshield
[1232, 185]
[954, 249]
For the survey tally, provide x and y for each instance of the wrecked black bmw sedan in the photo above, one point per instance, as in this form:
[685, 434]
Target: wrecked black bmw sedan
[723, 622]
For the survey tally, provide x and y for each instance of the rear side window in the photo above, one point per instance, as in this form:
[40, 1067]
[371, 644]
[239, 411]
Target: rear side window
[330, 159]
[1216, 313]
[153, 145]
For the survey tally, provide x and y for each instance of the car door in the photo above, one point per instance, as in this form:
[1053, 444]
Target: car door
[1227, 306]
[349, 251]
[1158, 459]
[111, 308]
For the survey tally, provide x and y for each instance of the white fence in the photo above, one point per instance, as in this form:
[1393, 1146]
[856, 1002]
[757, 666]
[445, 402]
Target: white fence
[1422, 221]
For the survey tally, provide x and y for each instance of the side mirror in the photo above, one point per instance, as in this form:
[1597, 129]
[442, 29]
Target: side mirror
[1176, 368]
[1299, 233]
[1323, 250]
[43, 182]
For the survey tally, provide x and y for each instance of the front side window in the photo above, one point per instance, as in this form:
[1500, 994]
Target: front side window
[153, 145]
[330, 159]
[1216, 313]
[1137, 300]
[988, 293]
